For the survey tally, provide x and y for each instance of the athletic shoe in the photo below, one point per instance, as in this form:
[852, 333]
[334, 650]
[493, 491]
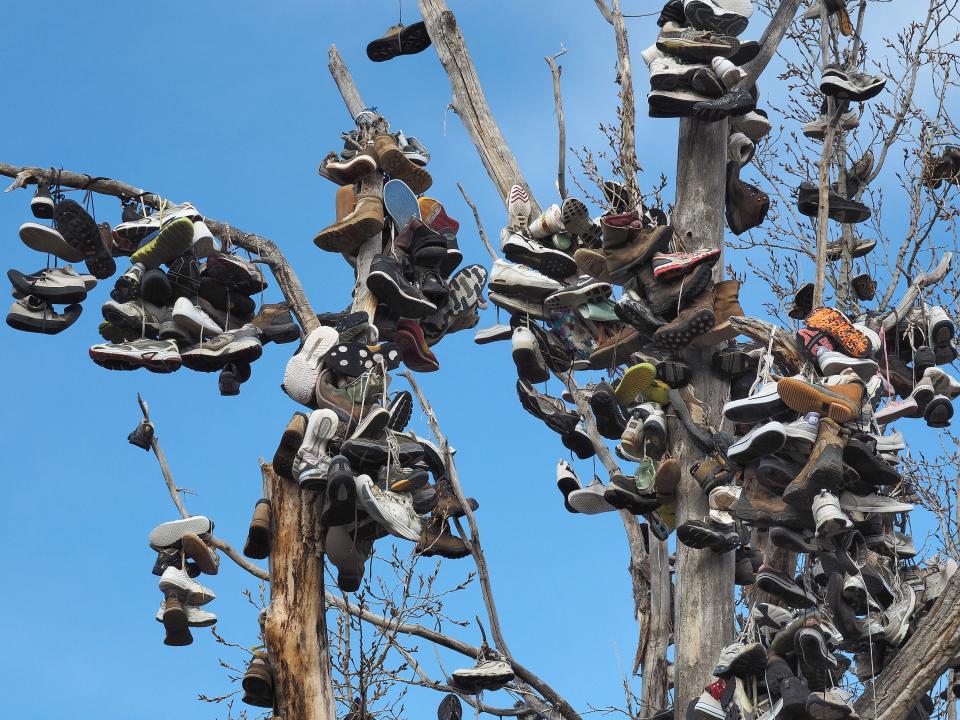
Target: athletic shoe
[392, 511]
[518, 209]
[741, 659]
[159, 356]
[351, 170]
[817, 129]
[765, 439]
[715, 17]
[137, 228]
[42, 203]
[585, 291]
[841, 209]
[485, 675]
[194, 320]
[233, 346]
[669, 266]
[387, 282]
[170, 533]
[828, 516]
[762, 405]
[872, 503]
[178, 582]
[567, 483]
[669, 74]
[731, 104]
[172, 241]
[303, 369]
[552, 263]
[521, 281]
[527, 357]
[193, 616]
[54, 285]
[834, 363]
[695, 45]
[850, 85]
[49, 241]
[590, 500]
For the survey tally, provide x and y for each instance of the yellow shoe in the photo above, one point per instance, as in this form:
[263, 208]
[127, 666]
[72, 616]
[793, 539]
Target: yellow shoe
[657, 391]
[635, 380]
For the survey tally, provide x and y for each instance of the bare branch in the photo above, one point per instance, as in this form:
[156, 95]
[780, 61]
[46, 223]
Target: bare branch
[476, 219]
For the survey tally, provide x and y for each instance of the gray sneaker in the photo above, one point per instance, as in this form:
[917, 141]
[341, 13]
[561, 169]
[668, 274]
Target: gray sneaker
[233, 346]
[590, 500]
[160, 356]
[31, 314]
[60, 285]
[137, 314]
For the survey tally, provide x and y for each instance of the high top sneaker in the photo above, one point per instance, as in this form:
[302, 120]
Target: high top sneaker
[824, 468]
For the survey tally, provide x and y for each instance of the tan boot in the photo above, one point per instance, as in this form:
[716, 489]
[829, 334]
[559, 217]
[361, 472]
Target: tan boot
[345, 201]
[202, 554]
[840, 402]
[348, 234]
[592, 263]
[258, 536]
[691, 323]
[726, 304]
[824, 468]
[397, 165]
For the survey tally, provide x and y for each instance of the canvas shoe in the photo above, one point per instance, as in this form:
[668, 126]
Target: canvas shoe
[754, 125]
[178, 582]
[518, 280]
[832, 362]
[303, 369]
[159, 356]
[765, 439]
[552, 263]
[567, 483]
[42, 203]
[392, 511]
[803, 429]
[590, 500]
[487, 674]
[872, 503]
[828, 516]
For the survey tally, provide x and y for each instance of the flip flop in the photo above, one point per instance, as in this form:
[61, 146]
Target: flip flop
[400, 203]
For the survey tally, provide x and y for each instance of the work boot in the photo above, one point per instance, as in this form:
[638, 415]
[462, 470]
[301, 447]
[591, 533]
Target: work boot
[802, 304]
[258, 536]
[619, 230]
[689, 325]
[667, 299]
[258, 682]
[358, 226]
[276, 323]
[824, 468]
[726, 304]
[864, 287]
[746, 204]
[616, 349]
[762, 508]
[592, 263]
[398, 166]
[436, 539]
[623, 261]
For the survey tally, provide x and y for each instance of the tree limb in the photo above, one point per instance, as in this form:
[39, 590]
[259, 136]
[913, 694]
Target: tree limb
[476, 219]
[555, 71]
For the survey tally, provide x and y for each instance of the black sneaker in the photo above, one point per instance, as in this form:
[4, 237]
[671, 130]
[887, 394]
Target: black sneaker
[387, 282]
[232, 377]
[184, 273]
[433, 287]
[672, 12]
[610, 415]
[127, 287]
[841, 210]
[733, 103]
[339, 507]
[401, 410]
[42, 204]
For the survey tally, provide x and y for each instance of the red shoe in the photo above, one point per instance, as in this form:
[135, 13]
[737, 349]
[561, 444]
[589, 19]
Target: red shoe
[668, 266]
[414, 350]
[435, 217]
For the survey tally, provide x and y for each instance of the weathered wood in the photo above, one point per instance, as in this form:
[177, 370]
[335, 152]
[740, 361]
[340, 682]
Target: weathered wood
[703, 621]
[470, 102]
[555, 71]
[932, 277]
[930, 651]
[628, 114]
[296, 626]
[654, 693]
[345, 84]
[263, 247]
[785, 349]
[476, 220]
[823, 168]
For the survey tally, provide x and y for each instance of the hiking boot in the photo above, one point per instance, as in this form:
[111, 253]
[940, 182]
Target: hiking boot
[839, 328]
[436, 539]
[258, 541]
[290, 442]
[593, 263]
[349, 233]
[639, 250]
[824, 468]
[690, 324]
[173, 240]
[762, 508]
[726, 304]
[840, 402]
[746, 204]
[276, 324]
[258, 682]
[666, 300]
[399, 40]
[398, 166]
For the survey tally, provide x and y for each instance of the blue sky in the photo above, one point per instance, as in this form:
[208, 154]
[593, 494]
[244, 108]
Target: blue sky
[233, 110]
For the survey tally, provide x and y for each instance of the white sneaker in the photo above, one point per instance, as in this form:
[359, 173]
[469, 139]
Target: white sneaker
[828, 516]
[763, 404]
[303, 369]
[728, 73]
[872, 503]
[196, 617]
[139, 229]
[831, 362]
[943, 383]
[486, 675]
[723, 496]
[652, 53]
[527, 357]
[804, 429]
[178, 581]
[939, 325]
[890, 443]
[740, 149]
[204, 242]
[548, 223]
[668, 73]
[48, 240]
[312, 459]
[754, 125]
[170, 533]
[510, 278]
[194, 320]
[741, 7]
[522, 250]
[392, 511]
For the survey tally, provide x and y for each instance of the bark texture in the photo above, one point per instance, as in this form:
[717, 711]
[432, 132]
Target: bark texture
[296, 627]
[704, 599]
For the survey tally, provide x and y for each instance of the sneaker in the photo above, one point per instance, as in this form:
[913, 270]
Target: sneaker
[817, 129]
[765, 439]
[721, 16]
[828, 516]
[742, 660]
[762, 405]
[172, 241]
[872, 503]
[585, 291]
[669, 74]
[528, 358]
[392, 511]
[234, 346]
[194, 320]
[670, 266]
[754, 125]
[833, 704]
[399, 40]
[487, 674]
[731, 104]
[730, 75]
[850, 85]
[896, 618]
[590, 500]
[834, 363]
[514, 279]
[137, 228]
[549, 222]
[518, 209]
[351, 170]
[773, 581]
[690, 44]
[179, 583]
[567, 483]
[387, 282]
[159, 356]
[552, 411]
[54, 285]
[841, 402]
[303, 369]
[552, 263]
[49, 241]
[42, 203]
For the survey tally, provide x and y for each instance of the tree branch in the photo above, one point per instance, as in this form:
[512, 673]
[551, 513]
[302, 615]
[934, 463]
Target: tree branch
[476, 219]
[769, 41]
[555, 71]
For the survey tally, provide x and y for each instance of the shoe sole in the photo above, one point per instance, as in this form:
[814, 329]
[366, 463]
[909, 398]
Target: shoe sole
[804, 398]
[635, 380]
[592, 263]
[553, 264]
[703, 17]
[78, 228]
[401, 410]
[244, 350]
[163, 362]
[575, 216]
[373, 425]
[387, 291]
[48, 241]
[169, 533]
[938, 414]
[290, 442]
[348, 235]
[579, 444]
[530, 365]
[341, 494]
[303, 369]
[693, 285]
[355, 359]
[695, 50]
[412, 353]
[681, 335]
[592, 293]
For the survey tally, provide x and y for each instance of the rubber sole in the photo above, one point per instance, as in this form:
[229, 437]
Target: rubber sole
[78, 228]
[678, 334]
[674, 79]
[245, 350]
[413, 353]
[348, 235]
[164, 362]
[530, 365]
[841, 330]
[594, 292]
[409, 41]
[341, 498]
[634, 381]
[552, 263]
[575, 216]
[703, 17]
[168, 533]
[290, 441]
[804, 397]
[693, 285]
[389, 292]
[354, 359]
[303, 369]
[43, 326]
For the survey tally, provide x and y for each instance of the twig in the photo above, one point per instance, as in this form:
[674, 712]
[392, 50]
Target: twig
[555, 71]
[476, 219]
[162, 459]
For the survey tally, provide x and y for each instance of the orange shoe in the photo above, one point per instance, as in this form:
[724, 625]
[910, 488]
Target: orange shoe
[835, 324]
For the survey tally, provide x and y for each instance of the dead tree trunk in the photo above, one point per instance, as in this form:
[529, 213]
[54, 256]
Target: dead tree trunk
[703, 621]
[296, 627]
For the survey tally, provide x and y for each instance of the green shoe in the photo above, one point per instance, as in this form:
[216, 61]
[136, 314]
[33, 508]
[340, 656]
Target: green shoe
[598, 312]
[644, 477]
[173, 240]
[562, 241]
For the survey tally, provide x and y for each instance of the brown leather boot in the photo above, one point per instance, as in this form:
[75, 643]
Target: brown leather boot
[746, 204]
[258, 536]
[824, 468]
[344, 201]
[838, 402]
[397, 165]
[289, 444]
[202, 554]
[667, 299]
[623, 261]
[436, 539]
[348, 234]
[592, 263]
[619, 230]
[726, 304]
[761, 508]
[617, 348]
[692, 322]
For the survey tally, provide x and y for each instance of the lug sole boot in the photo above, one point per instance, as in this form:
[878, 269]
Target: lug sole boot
[592, 263]
[622, 262]
[837, 402]
[289, 444]
[690, 324]
[668, 299]
[397, 165]
[258, 536]
[760, 507]
[824, 468]
[726, 304]
[348, 234]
